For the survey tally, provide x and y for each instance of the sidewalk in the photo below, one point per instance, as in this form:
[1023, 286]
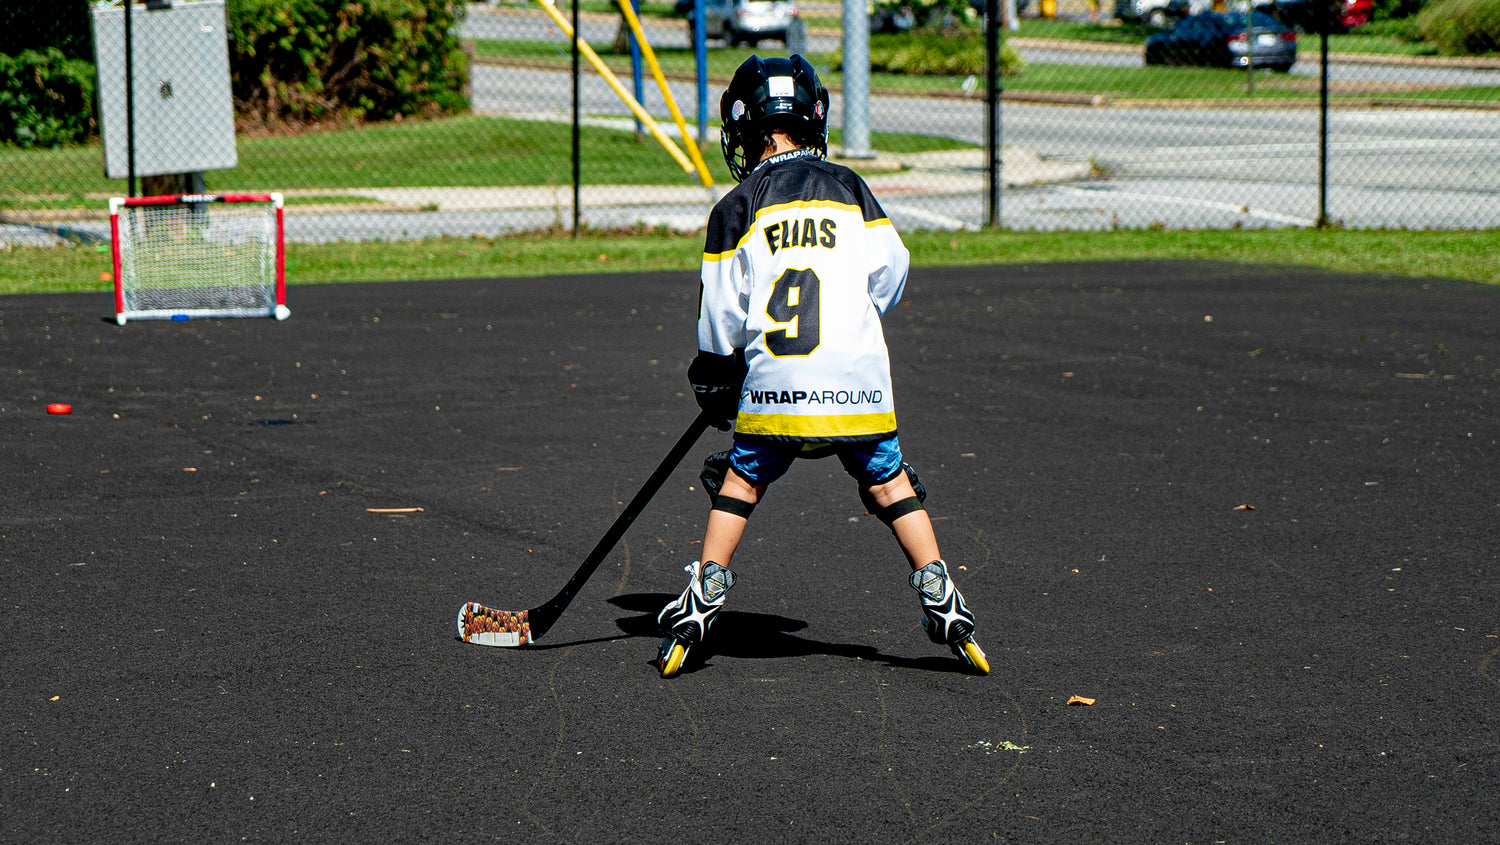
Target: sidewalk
[906, 175]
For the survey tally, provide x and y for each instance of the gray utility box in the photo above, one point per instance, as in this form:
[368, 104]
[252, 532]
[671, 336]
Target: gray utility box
[184, 114]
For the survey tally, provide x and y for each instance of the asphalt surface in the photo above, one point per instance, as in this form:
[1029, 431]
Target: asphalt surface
[1249, 511]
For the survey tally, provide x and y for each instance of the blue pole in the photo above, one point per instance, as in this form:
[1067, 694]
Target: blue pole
[635, 67]
[700, 53]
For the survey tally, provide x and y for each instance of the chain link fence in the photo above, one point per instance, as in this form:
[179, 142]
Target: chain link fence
[1092, 136]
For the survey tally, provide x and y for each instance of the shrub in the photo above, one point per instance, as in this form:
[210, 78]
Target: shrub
[46, 99]
[1461, 27]
[296, 62]
[315, 61]
[935, 53]
[1385, 10]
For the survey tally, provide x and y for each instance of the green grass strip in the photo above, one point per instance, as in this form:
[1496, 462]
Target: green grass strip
[1470, 255]
[465, 151]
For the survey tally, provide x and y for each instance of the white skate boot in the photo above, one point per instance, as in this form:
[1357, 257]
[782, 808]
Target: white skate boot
[686, 621]
[945, 617]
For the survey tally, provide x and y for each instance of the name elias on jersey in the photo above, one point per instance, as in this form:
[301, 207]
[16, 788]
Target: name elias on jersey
[805, 232]
[813, 397]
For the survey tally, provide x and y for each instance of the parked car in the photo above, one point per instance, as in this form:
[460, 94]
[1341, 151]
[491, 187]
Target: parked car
[737, 21]
[1219, 40]
[901, 17]
[1317, 15]
[893, 20]
[1158, 13]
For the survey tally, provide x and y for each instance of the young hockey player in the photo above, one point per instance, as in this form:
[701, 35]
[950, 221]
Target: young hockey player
[799, 266]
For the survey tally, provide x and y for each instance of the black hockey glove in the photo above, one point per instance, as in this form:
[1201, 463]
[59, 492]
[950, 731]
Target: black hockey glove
[717, 381]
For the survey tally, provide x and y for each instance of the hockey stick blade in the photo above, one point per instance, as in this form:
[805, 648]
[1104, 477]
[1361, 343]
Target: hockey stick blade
[484, 625]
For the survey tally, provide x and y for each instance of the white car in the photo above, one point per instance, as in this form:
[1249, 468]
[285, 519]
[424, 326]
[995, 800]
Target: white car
[1159, 13]
[747, 21]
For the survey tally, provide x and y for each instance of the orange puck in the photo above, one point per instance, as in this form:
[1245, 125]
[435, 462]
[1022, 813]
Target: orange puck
[59, 408]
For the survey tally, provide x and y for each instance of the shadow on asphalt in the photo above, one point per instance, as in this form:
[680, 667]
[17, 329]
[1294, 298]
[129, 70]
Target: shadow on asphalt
[761, 636]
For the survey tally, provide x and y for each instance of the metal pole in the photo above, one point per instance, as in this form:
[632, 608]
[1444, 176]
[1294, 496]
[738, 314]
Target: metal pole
[577, 152]
[856, 80]
[638, 82]
[1323, 134]
[129, 102]
[993, 181]
[700, 56]
[1249, 49]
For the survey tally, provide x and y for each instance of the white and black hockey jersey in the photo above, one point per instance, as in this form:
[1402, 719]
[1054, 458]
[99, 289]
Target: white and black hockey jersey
[799, 265]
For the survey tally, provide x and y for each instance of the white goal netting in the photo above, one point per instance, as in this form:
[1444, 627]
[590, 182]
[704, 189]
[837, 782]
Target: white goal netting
[198, 256]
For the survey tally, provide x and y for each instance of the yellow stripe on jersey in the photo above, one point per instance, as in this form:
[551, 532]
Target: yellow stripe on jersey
[815, 425]
[787, 206]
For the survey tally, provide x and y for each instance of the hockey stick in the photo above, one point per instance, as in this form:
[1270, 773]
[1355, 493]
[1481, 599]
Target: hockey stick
[510, 628]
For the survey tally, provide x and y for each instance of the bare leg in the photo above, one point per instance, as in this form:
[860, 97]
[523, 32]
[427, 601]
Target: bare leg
[721, 538]
[914, 530]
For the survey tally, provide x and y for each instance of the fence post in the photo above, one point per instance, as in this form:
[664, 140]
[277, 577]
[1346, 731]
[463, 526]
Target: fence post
[129, 99]
[1323, 134]
[992, 173]
[856, 80]
[577, 141]
[796, 37]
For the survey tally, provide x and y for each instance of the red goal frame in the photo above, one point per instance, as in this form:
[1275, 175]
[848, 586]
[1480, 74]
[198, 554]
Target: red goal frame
[138, 297]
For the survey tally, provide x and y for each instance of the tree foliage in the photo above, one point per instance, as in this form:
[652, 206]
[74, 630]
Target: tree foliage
[46, 99]
[1461, 27]
[314, 61]
[934, 52]
[292, 63]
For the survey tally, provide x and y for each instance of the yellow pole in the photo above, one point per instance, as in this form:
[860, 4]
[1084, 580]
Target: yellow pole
[609, 77]
[666, 93]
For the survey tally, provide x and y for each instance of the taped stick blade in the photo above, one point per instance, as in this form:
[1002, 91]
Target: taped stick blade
[482, 625]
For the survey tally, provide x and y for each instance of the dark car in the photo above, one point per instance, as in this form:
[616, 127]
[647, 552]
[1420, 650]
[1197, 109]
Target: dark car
[901, 17]
[893, 20]
[1218, 40]
[1336, 16]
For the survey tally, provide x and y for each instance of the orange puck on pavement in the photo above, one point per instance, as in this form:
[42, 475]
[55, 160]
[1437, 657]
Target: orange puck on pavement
[59, 408]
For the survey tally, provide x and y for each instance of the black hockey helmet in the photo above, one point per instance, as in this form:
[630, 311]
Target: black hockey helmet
[768, 94]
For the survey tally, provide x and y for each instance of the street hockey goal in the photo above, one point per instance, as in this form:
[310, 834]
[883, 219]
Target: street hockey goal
[198, 255]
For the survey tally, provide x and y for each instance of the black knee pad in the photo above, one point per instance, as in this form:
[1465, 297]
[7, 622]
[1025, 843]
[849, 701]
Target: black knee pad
[715, 470]
[911, 475]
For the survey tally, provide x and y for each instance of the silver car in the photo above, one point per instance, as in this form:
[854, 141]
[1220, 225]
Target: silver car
[744, 21]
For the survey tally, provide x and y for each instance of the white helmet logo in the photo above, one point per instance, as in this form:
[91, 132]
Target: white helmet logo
[780, 86]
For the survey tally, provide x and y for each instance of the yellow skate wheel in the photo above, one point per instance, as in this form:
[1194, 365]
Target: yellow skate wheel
[974, 655]
[673, 661]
